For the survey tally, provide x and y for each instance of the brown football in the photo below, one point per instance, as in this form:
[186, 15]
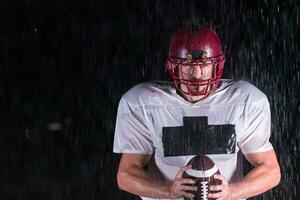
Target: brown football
[203, 171]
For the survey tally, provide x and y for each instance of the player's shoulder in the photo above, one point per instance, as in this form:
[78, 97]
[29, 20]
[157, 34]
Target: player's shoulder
[243, 91]
[147, 92]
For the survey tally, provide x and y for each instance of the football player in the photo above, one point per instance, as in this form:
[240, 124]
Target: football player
[198, 113]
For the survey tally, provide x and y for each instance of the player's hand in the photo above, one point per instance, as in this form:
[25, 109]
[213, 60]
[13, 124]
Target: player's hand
[223, 190]
[182, 187]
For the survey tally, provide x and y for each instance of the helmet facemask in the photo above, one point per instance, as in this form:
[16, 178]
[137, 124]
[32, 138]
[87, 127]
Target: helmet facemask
[182, 72]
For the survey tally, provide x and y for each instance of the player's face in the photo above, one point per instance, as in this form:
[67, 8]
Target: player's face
[195, 72]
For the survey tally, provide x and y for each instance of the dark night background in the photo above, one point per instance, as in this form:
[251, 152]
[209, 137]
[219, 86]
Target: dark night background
[64, 66]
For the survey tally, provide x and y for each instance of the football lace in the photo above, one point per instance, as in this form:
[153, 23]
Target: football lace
[204, 190]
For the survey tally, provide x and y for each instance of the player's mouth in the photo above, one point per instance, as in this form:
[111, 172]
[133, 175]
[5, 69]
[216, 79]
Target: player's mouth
[196, 89]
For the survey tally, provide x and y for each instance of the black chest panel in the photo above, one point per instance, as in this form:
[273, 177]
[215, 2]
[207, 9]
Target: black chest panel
[196, 136]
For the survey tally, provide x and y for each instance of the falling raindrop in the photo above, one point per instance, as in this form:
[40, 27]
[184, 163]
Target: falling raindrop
[65, 66]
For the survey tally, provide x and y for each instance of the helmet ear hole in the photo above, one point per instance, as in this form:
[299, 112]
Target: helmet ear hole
[176, 68]
[216, 69]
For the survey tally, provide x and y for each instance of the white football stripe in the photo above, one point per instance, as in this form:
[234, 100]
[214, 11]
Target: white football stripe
[199, 173]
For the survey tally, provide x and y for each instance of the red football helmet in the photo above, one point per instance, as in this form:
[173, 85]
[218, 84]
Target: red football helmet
[195, 47]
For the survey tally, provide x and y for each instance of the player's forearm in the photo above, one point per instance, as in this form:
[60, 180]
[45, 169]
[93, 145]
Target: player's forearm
[257, 181]
[140, 182]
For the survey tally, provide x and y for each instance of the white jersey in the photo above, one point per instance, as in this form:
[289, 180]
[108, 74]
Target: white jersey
[153, 118]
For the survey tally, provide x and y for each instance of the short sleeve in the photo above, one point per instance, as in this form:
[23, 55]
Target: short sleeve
[131, 132]
[257, 129]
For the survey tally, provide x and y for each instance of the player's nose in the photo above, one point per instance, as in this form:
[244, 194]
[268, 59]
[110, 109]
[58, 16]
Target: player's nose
[197, 72]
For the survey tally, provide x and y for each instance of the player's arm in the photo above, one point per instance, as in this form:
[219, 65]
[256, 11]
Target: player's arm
[264, 176]
[133, 178]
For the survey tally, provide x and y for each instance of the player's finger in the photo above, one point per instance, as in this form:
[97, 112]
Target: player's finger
[186, 194]
[222, 178]
[182, 170]
[216, 188]
[187, 188]
[215, 195]
[185, 181]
